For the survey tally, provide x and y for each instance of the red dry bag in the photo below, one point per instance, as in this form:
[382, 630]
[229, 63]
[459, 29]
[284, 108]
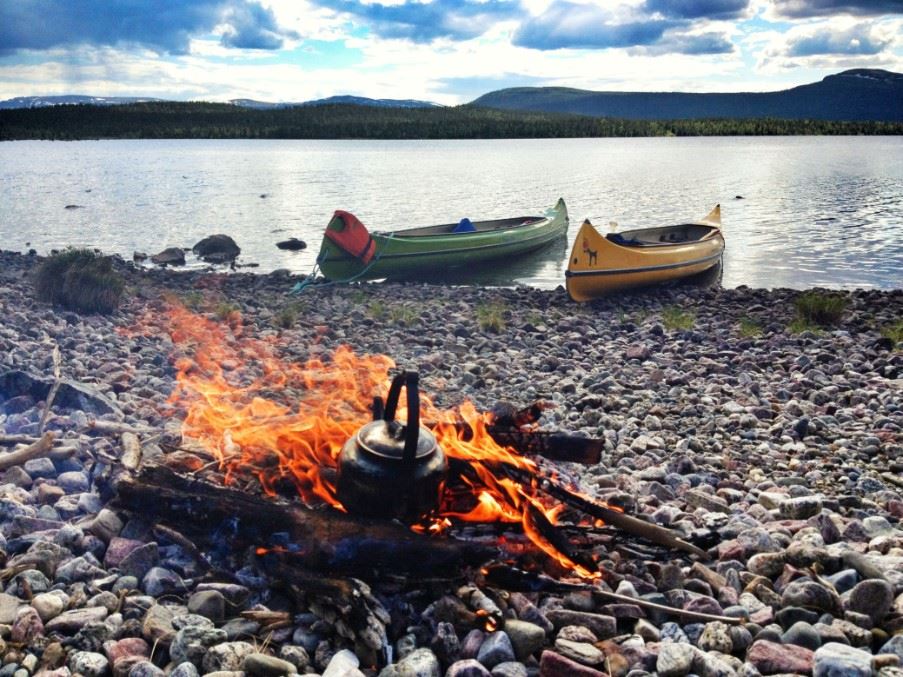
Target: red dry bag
[351, 235]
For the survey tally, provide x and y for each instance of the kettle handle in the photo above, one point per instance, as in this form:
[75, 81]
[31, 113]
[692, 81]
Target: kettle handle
[409, 379]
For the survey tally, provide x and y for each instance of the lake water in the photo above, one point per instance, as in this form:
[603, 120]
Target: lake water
[816, 211]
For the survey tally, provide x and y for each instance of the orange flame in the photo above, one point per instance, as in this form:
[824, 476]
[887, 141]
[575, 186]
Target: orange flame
[287, 422]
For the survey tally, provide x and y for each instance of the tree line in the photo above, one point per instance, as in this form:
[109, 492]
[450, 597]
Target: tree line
[176, 120]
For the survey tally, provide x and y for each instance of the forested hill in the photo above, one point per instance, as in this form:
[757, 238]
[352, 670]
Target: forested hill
[860, 94]
[156, 120]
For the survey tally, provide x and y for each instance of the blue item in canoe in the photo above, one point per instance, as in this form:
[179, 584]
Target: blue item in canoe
[464, 226]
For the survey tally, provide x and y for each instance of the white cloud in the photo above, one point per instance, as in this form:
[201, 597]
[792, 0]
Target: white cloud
[834, 44]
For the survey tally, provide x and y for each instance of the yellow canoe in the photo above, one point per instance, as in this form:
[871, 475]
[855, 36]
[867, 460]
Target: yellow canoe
[604, 263]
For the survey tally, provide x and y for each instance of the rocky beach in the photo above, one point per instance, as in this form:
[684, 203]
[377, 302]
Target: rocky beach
[780, 450]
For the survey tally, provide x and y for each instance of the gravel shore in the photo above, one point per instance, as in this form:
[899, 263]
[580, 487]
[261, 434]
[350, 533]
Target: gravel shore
[714, 415]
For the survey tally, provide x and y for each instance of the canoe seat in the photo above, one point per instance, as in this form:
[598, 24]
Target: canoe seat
[617, 238]
[673, 237]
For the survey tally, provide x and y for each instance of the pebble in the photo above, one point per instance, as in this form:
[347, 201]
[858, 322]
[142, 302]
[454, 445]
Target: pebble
[839, 660]
[262, 665]
[526, 638]
[496, 648]
[770, 658]
[674, 659]
[469, 667]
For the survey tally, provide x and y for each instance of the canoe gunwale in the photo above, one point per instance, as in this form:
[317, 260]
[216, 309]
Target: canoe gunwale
[491, 227]
[710, 232]
[644, 269]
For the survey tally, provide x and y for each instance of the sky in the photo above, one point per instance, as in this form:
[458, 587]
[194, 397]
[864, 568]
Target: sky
[446, 51]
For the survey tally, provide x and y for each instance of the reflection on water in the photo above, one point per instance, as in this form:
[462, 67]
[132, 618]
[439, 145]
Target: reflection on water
[815, 211]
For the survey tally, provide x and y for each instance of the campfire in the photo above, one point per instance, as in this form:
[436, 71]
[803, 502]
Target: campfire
[322, 470]
[326, 475]
[294, 426]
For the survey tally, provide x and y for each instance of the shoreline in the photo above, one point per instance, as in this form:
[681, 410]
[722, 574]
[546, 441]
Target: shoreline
[786, 447]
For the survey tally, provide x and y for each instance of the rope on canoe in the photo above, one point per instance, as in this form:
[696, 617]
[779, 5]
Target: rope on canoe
[312, 277]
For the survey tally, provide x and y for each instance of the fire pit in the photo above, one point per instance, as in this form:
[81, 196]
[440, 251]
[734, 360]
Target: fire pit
[340, 477]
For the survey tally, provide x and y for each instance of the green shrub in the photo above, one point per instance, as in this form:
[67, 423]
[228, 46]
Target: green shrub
[820, 309]
[677, 318]
[80, 280]
[491, 316]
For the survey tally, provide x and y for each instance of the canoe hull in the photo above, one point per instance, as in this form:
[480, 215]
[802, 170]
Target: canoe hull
[420, 251]
[598, 266]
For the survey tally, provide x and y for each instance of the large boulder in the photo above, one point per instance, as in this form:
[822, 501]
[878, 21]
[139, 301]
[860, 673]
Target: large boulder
[171, 256]
[217, 249]
[71, 394]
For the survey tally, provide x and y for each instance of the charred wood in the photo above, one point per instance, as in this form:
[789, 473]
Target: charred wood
[319, 539]
[623, 521]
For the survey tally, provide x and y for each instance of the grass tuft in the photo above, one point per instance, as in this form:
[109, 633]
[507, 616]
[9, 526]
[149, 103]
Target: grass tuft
[893, 332]
[678, 318]
[226, 311]
[749, 328]
[491, 316]
[820, 309]
[404, 315]
[288, 315]
[80, 280]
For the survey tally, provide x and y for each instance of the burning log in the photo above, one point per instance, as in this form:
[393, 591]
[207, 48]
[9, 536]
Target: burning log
[621, 520]
[325, 540]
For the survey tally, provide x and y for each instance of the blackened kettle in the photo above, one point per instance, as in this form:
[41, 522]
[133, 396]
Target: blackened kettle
[390, 469]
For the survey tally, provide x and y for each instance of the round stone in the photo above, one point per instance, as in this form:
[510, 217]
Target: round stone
[419, 663]
[526, 638]
[802, 633]
[496, 648]
[872, 597]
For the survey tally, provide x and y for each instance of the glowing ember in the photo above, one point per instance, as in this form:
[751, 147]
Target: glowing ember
[286, 422]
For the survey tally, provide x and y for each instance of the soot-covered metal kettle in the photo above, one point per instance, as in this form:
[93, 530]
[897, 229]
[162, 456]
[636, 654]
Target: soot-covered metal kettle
[390, 469]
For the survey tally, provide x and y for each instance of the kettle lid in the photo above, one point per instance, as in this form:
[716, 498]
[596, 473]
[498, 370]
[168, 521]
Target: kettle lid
[387, 440]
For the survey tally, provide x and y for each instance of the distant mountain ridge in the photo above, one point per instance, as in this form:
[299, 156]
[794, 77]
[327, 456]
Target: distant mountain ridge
[860, 94]
[77, 99]
[72, 99]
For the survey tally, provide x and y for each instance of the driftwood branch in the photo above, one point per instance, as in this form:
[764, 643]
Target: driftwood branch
[131, 451]
[39, 448]
[57, 381]
[115, 428]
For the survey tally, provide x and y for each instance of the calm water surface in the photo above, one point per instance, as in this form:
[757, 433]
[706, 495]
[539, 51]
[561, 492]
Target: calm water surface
[816, 211]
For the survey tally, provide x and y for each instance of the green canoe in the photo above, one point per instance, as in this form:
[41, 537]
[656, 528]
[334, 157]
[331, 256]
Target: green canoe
[350, 252]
